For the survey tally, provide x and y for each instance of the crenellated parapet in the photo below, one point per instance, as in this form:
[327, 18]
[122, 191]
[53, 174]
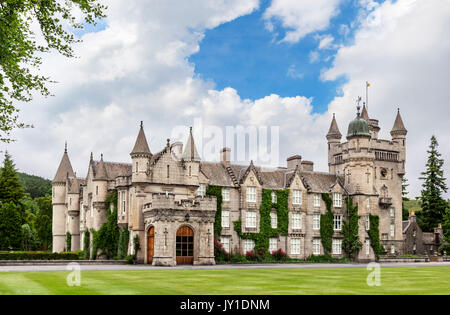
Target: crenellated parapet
[167, 201]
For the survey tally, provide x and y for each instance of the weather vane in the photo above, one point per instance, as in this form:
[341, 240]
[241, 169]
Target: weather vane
[358, 107]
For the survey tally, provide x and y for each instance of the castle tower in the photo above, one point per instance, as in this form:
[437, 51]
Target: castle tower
[334, 140]
[100, 181]
[398, 134]
[191, 159]
[59, 204]
[140, 156]
[73, 212]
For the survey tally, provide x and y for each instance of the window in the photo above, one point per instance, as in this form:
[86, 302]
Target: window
[201, 191]
[414, 247]
[367, 223]
[190, 170]
[392, 249]
[297, 197]
[316, 221]
[248, 245]
[168, 171]
[296, 221]
[392, 230]
[137, 167]
[273, 244]
[225, 241]
[274, 197]
[337, 246]
[250, 219]
[337, 200]
[96, 190]
[368, 203]
[392, 213]
[273, 220]
[295, 246]
[316, 200]
[337, 222]
[316, 246]
[225, 194]
[70, 201]
[123, 201]
[251, 194]
[225, 219]
[367, 247]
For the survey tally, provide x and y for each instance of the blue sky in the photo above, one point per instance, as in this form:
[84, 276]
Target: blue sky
[245, 55]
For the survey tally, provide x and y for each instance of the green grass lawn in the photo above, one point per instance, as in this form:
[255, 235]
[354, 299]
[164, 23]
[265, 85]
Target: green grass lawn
[408, 280]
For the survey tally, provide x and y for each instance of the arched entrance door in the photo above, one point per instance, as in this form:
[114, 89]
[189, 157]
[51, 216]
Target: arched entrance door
[185, 246]
[150, 244]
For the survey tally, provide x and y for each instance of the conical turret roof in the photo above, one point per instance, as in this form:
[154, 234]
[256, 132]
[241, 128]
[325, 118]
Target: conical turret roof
[74, 186]
[398, 127]
[100, 172]
[190, 152]
[364, 113]
[334, 129]
[141, 145]
[64, 170]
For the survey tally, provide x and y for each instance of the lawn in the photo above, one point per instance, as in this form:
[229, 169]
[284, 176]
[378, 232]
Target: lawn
[408, 280]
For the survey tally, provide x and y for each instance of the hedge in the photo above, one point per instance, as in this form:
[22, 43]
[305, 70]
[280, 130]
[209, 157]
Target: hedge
[5, 255]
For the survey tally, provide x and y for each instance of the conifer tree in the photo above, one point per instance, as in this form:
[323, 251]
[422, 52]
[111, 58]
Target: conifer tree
[405, 212]
[10, 227]
[10, 188]
[433, 205]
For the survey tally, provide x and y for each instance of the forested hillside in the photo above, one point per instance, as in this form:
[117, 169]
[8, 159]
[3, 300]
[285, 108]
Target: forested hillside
[35, 186]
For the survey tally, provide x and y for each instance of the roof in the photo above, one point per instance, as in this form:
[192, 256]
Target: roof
[74, 185]
[190, 152]
[319, 182]
[405, 225]
[398, 124]
[217, 174]
[358, 127]
[64, 170]
[365, 114]
[112, 169]
[334, 129]
[141, 145]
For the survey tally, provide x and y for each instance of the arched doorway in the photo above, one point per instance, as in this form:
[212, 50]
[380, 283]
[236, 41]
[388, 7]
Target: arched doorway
[185, 246]
[150, 244]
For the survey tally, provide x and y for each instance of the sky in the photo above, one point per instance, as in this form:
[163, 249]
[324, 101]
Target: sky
[284, 63]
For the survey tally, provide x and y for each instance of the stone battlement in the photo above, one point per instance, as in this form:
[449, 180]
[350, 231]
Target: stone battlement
[167, 201]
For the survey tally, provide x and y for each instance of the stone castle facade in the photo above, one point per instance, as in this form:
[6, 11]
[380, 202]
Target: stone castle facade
[161, 197]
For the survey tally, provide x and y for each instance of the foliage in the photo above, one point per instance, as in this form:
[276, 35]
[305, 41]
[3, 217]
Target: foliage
[106, 239]
[446, 224]
[351, 243]
[444, 249]
[86, 244]
[29, 238]
[265, 228]
[326, 225]
[10, 227]
[327, 259]
[124, 239]
[220, 254]
[217, 192]
[21, 50]
[130, 259]
[68, 241]
[35, 186]
[21, 255]
[137, 245]
[279, 254]
[405, 212]
[374, 235]
[433, 187]
[10, 188]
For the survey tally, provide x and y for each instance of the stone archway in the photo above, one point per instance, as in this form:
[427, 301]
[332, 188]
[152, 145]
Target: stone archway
[185, 246]
[150, 244]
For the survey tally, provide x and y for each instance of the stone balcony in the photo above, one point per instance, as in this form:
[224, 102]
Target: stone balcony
[385, 202]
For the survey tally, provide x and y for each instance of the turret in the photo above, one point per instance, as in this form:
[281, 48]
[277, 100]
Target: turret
[73, 212]
[334, 139]
[191, 158]
[59, 185]
[100, 186]
[398, 134]
[140, 156]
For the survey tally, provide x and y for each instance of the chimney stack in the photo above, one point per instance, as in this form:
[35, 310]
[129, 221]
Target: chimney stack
[225, 155]
[294, 161]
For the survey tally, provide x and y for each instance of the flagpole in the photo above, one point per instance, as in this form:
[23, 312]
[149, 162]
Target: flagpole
[367, 95]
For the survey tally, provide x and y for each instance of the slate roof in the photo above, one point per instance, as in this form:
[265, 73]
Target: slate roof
[398, 124]
[334, 129]
[190, 152]
[64, 170]
[112, 170]
[141, 145]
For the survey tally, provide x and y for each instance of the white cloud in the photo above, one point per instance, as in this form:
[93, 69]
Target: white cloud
[293, 73]
[301, 18]
[326, 42]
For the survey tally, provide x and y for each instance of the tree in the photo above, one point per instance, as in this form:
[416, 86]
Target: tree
[10, 188]
[405, 212]
[433, 205]
[21, 52]
[10, 227]
[44, 230]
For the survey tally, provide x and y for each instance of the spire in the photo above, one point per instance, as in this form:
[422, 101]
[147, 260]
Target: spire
[334, 132]
[399, 127]
[141, 145]
[64, 170]
[100, 172]
[190, 152]
[65, 148]
[365, 114]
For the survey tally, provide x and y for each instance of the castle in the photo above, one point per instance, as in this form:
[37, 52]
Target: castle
[162, 197]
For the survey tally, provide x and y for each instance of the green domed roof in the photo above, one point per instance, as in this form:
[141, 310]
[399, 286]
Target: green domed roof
[358, 127]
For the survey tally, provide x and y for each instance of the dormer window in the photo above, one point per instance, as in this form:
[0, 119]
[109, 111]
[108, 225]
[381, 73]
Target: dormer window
[337, 200]
[297, 197]
[251, 194]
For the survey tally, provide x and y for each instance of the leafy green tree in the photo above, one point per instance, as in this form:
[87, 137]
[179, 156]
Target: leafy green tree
[10, 188]
[29, 238]
[433, 205]
[21, 51]
[45, 205]
[351, 243]
[10, 227]
[35, 186]
[405, 212]
[44, 230]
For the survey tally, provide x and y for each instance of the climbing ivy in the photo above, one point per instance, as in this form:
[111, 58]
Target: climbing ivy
[124, 239]
[107, 237]
[217, 192]
[68, 242]
[374, 235]
[351, 243]
[86, 244]
[265, 228]
[326, 225]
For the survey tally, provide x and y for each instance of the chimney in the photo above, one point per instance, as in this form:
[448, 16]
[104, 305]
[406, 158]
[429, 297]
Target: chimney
[307, 166]
[412, 216]
[225, 154]
[294, 161]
